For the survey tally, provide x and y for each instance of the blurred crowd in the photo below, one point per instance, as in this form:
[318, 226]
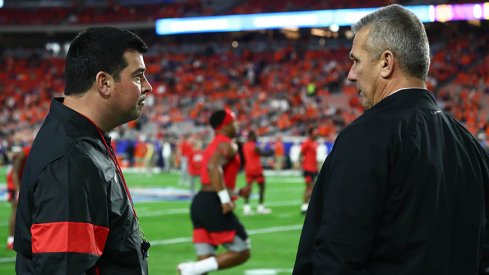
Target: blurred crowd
[276, 85]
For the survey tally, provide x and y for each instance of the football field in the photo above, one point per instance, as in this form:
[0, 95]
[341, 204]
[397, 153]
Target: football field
[163, 208]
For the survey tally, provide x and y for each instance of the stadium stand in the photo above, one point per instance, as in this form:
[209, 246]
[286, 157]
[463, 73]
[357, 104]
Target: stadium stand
[275, 84]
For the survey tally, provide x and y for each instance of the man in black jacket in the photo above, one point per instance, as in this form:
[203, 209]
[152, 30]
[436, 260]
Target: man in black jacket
[404, 190]
[75, 213]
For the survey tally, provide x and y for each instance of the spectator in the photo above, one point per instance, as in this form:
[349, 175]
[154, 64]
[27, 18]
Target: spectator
[254, 173]
[279, 150]
[294, 155]
[14, 179]
[184, 153]
[308, 159]
[195, 163]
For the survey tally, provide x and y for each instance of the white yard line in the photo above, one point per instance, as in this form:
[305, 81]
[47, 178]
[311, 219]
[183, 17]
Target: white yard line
[7, 260]
[275, 229]
[176, 211]
[179, 211]
[171, 241]
[250, 232]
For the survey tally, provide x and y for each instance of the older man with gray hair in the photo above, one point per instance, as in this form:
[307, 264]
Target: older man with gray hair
[405, 188]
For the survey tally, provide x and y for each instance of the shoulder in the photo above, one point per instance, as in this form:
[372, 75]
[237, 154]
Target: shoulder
[224, 146]
[80, 159]
[249, 144]
[380, 129]
[91, 153]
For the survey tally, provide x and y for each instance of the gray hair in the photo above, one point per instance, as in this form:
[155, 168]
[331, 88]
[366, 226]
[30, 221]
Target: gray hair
[397, 29]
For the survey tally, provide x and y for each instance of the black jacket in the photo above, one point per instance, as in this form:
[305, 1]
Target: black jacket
[74, 215]
[404, 192]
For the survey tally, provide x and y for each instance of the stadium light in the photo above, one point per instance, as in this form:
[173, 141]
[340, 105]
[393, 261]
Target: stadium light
[311, 19]
[1, 4]
[334, 28]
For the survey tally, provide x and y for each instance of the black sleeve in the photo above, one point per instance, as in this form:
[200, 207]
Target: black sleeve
[484, 261]
[345, 207]
[70, 217]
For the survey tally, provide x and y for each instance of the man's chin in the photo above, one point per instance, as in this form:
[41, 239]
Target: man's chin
[136, 114]
[366, 104]
[139, 110]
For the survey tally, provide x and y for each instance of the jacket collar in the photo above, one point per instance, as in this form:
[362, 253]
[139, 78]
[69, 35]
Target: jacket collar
[78, 121]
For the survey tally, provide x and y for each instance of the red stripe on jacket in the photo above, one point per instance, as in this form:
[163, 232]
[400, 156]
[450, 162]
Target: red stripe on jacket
[65, 237]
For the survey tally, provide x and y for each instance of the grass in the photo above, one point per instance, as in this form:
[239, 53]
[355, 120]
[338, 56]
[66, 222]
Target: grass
[274, 237]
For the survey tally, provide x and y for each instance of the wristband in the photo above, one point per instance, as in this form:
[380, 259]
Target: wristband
[224, 196]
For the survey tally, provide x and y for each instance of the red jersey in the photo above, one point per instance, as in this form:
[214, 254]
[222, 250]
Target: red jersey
[26, 150]
[10, 178]
[279, 149]
[309, 152]
[195, 162]
[186, 148]
[140, 150]
[10, 173]
[230, 169]
[252, 159]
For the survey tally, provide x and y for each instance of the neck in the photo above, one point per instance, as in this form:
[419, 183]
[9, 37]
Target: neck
[87, 107]
[401, 83]
[223, 132]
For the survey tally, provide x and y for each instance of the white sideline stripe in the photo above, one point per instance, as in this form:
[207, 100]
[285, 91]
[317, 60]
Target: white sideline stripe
[177, 211]
[275, 229]
[187, 239]
[251, 232]
[171, 241]
[7, 260]
[284, 203]
[165, 212]
[267, 271]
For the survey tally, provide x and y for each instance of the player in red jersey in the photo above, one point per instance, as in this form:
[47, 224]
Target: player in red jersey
[212, 213]
[309, 165]
[14, 178]
[184, 151]
[254, 173]
[195, 163]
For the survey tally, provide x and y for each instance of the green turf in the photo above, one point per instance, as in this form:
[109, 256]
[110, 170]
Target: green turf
[166, 224]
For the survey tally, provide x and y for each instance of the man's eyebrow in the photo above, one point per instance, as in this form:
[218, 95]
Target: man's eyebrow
[140, 70]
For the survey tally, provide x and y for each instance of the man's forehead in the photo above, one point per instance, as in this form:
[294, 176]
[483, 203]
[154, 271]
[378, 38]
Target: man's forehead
[354, 48]
[358, 41]
[134, 58]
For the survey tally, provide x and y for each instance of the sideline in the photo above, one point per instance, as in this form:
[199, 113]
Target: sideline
[179, 211]
[7, 260]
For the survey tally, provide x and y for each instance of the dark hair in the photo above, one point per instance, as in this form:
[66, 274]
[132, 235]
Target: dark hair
[217, 118]
[252, 135]
[95, 50]
[311, 131]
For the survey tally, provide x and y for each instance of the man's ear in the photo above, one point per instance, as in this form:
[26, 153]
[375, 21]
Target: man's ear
[103, 82]
[387, 60]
